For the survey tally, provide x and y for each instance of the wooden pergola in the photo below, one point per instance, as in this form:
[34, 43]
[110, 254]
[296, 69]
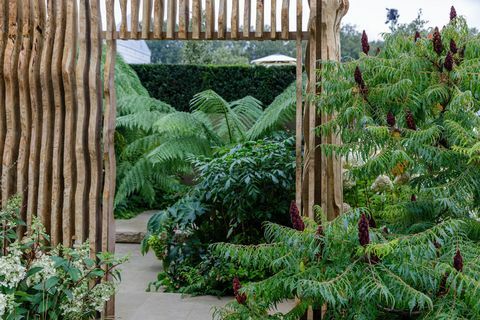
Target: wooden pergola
[57, 116]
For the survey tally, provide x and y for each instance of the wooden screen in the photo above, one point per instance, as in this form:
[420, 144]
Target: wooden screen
[57, 118]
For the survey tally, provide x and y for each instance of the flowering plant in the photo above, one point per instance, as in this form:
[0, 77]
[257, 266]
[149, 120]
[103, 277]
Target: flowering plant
[40, 282]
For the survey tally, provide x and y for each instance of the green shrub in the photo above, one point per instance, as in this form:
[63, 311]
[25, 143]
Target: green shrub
[409, 121]
[39, 282]
[177, 84]
[236, 192]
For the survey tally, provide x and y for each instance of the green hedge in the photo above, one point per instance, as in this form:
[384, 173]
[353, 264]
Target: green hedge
[177, 84]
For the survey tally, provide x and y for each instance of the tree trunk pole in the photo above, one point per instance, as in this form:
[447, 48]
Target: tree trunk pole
[322, 175]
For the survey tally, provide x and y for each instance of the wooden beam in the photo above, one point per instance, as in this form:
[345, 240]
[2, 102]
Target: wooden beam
[228, 36]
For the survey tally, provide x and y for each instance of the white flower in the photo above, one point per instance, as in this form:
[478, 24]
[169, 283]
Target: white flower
[48, 270]
[11, 270]
[382, 183]
[3, 303]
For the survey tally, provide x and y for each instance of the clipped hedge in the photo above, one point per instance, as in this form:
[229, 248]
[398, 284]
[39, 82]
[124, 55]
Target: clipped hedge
[177, 84]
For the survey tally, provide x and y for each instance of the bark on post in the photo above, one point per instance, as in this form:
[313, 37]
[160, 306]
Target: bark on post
[322, 175]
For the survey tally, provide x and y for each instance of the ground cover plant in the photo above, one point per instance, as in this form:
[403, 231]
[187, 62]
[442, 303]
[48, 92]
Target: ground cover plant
[410, 247]
[40, 282]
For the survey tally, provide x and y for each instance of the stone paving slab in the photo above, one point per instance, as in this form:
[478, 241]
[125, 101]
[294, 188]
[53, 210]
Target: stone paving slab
[132, 230]
[133, 303]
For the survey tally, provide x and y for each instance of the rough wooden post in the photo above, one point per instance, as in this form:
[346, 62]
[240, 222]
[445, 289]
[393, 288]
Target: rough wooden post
[25, 111]
[323, 174]
[68, 74]
[36, 107]
[59, 100]
[108, 223]
[10, 71]
[147, 18]
[3, 44]
[299, 107]
[82, 165]
[94, 135]
[46, 151]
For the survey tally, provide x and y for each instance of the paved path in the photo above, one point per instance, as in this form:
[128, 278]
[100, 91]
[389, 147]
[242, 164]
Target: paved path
[133, 303]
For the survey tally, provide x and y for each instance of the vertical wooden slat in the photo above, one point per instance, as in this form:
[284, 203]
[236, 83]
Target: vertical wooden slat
[94, 129]
[196, 19]
[36, 107]
[59, 116]
[108, 223]
[209, 19]
[235, 19]
[68, 74]
[285, 18]
[158, 19]
[3, 43]
[273, 20]
[46, 151]
[10, 66]
[183, 19]
[82, 165]
[123, 22]
[147, 18]
[299, 108]
[171, 18]
[246, 18]
[260, 14]
[222, 19]
[310, 116]
[25, 111]
[134, 18]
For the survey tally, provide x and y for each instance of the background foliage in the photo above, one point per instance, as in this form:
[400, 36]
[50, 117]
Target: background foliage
[177, 84]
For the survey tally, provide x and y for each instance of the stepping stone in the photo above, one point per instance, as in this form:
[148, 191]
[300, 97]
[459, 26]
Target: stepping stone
[132, 230]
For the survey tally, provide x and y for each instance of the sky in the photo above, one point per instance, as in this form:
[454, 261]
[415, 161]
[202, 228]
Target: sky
[369, 15]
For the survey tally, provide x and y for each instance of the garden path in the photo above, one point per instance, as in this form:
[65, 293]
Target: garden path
[133, 303]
